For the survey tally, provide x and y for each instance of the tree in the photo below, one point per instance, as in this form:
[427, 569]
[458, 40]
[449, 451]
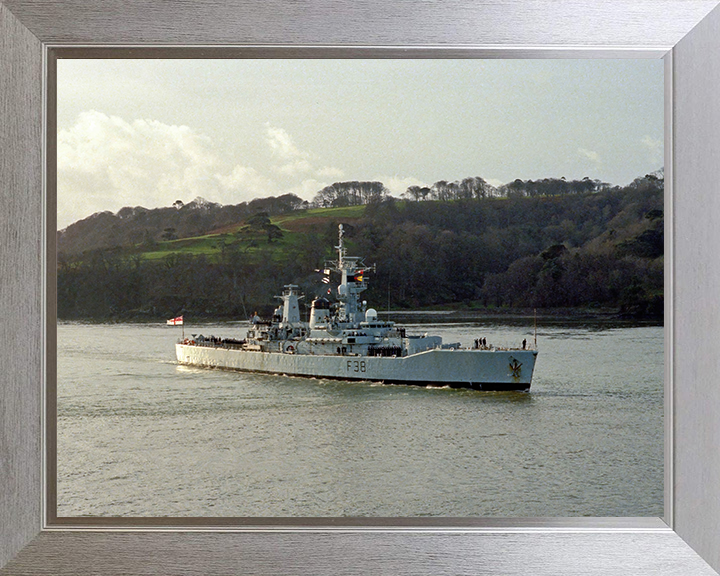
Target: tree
[259, 220]
[413, 192]
[475, 187]
[515, 188]
[350, 193]
[169, 234]
[440, 190]
[273, 232]
[290, 202]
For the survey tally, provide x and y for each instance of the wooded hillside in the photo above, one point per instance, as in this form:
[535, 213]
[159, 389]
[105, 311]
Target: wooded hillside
[594, 247]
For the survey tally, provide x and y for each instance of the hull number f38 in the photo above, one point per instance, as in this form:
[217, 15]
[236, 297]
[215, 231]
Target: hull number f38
[356, 366]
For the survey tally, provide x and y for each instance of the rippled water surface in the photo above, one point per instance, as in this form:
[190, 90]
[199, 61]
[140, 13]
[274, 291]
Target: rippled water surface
[139, 435]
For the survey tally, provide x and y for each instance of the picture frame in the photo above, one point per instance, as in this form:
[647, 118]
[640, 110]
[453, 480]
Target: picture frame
[686, 541]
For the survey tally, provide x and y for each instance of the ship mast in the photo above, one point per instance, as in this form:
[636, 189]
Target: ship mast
[352, 282]
[340, 247]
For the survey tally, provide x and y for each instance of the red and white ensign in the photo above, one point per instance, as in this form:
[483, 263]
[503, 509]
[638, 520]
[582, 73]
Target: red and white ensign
[175, 321]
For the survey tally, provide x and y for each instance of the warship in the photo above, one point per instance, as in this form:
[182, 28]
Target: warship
[346, 340]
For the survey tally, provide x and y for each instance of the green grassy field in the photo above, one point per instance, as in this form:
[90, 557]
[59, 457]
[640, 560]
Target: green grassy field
[253, 242]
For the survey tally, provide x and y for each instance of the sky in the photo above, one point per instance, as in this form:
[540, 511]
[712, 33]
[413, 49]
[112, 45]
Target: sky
[150, 132]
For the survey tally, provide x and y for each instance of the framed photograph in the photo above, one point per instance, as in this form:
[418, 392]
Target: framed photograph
[683, 540]
[324, 183]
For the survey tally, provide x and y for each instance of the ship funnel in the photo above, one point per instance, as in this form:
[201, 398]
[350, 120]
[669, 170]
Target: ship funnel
[319, 312]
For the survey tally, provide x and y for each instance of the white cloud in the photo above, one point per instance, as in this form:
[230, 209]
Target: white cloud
[594, 157]
[308, 188]
[282, 144]
[397, 185]
[295, 168]
[329, 172]
[106, 163]
[294, 163]
[247, 182]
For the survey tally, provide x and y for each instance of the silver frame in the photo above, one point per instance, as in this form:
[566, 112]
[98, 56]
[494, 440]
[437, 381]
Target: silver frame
[483, 546]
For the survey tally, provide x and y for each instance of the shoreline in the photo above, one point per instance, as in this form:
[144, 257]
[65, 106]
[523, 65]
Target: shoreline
[544, 315]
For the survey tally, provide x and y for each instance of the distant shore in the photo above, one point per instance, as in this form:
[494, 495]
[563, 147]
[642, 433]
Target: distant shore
[453, 312]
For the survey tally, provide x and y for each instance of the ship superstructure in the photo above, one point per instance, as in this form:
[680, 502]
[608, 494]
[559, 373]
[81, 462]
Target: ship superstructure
[347, 340]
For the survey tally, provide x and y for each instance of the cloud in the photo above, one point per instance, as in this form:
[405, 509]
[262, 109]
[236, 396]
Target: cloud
[294, 162]
[330, 172]
[294, 168]
[247, 182]
[594, 157]
[106, 163]
[397, 185]
[655, 148]
[282, 144]
[308, 188]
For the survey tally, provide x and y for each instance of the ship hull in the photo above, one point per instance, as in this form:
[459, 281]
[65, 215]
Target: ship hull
[477, 369]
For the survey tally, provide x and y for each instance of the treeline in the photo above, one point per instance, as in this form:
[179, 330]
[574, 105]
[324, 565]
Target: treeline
[116, 284]
[355, 193]
[473, 187]
[352, 193]
[133, 225]
[599, 249]
[105, 230]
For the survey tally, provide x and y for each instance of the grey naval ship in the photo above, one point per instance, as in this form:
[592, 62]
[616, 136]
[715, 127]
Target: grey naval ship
[346, 340]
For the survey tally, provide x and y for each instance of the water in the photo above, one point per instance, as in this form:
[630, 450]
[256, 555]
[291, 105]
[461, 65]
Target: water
[139, 435]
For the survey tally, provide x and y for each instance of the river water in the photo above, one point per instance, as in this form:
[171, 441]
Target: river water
[139, 435]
